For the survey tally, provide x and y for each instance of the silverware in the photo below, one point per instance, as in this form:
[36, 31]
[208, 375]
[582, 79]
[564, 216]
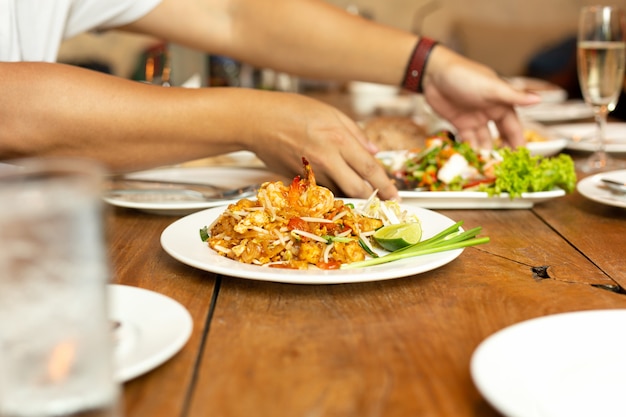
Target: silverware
[614, 185]
[123, 182]
[172, 193]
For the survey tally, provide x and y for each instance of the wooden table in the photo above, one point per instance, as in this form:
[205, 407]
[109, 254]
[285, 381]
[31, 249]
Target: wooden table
[399, 347]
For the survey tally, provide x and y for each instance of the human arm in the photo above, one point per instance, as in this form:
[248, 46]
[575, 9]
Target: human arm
[314, 39]
[54, 109]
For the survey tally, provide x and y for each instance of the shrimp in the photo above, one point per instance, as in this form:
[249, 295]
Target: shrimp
[308, 198]
[303, 196]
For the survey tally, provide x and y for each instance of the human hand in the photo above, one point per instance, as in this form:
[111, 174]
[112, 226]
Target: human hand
[469, 95]
[288, 127]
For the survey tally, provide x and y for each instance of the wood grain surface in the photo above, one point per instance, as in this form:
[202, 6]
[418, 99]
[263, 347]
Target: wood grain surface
[399, 347]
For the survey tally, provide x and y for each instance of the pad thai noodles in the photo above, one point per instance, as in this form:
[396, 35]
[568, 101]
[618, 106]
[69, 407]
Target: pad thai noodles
[300, 225]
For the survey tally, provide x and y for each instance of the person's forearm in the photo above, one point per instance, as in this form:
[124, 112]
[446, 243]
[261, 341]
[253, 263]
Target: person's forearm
[304, 37]
[54, 109]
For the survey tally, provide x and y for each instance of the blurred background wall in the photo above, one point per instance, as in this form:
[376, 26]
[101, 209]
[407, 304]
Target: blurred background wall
[503, 34]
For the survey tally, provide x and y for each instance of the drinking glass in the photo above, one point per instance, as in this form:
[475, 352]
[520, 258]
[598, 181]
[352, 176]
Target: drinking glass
[56, 342]
[601, 56]
[157, 69]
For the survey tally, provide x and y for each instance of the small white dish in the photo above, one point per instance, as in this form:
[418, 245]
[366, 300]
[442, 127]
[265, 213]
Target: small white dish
[581, 136]
[594, 189]
[181, 240]
[549, 92]
[556, 112]
[562, 365]
[153, 328]
[366, 97]
[548, 147]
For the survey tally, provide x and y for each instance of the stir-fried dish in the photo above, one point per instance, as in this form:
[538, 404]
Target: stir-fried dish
[299, 225]
[447, 165]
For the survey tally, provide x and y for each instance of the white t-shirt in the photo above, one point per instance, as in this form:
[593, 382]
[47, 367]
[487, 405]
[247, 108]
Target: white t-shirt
[32, 30]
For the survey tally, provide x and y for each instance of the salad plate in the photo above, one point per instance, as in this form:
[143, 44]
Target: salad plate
[182, 204]
[394, 161]
[562, 365]
[152, 328]
[182, 241]
[581, 136]
[594, 189]
[476, 199]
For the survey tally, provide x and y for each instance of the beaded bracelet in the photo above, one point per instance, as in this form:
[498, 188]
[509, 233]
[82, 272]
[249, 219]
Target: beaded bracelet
[413, 75]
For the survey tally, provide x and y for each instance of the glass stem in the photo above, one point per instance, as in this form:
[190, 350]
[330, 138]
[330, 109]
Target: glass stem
[601, 117]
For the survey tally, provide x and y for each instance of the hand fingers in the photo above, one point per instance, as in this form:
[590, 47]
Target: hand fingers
[511, 130]
[478, 137]
[356, 173]
[358, 133]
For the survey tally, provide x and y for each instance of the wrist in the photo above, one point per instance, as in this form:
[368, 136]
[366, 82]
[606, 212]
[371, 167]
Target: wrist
[416, 67]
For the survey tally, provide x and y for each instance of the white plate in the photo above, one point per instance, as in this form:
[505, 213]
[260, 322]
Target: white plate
[6, 167]
[594, 189]
[153, 328]
[231, 177]
[549, 92]
[475, 199]
[563, 365]
[464, 199]
[556, 112]
[551, 145]
[547, 148]
[581, 136]
[182, 241]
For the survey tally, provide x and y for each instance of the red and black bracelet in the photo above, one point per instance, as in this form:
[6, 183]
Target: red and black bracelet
[413, 76]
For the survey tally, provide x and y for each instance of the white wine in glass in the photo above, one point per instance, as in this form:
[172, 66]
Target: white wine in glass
[601, 61]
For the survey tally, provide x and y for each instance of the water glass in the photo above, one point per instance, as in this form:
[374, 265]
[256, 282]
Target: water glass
[56, 344]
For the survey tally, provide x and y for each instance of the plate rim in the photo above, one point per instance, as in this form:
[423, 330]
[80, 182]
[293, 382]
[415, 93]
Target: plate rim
[183, 206]
[531, 111]
[593, 181]
[224, 266]
[128, 367]
[557, 131]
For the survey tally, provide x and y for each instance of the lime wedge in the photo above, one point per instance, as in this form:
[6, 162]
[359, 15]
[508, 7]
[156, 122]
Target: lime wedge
[398, 236]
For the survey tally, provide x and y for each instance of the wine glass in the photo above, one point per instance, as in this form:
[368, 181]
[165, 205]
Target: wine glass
[601, 57]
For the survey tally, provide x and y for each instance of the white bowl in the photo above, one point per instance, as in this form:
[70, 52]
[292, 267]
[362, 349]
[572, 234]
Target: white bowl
[367, 97]
[549, 93]
[548, 148]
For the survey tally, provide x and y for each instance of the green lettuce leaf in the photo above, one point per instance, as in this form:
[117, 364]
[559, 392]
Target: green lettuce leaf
[520, 172]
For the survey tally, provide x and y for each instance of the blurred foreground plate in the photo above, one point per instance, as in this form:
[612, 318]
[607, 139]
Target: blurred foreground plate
[153, 328]
[563, 365]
